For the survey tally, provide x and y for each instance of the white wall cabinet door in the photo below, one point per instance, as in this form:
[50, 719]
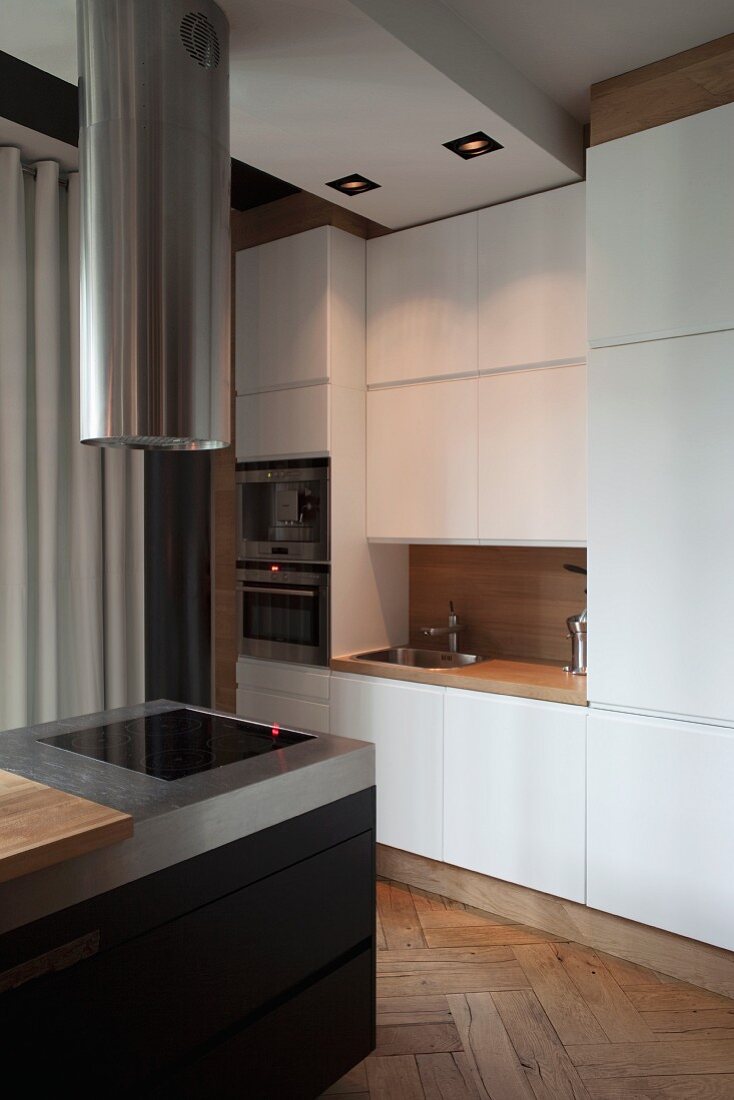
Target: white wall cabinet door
[405, 724]
[281, 312]
[532, 280]
[422, 302]
[661, 824]
[661, 526]
[514, 783]
[661, 230]
[283, 423]
[532, 456]
[422, 462]
[300, 311]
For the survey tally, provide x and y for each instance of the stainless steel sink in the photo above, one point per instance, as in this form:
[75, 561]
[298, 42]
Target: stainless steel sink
[421, 658]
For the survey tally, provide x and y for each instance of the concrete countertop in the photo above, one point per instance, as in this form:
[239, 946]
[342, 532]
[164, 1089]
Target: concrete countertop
[173, 821]
[524, 679]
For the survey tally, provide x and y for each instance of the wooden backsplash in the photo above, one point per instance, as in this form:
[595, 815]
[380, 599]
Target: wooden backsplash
[513, 601]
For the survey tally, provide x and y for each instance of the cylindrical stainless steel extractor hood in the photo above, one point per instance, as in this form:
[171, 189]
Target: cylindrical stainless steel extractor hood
[155, 252]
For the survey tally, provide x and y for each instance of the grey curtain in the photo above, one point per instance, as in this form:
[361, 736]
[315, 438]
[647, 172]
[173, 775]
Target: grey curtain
[71, 517]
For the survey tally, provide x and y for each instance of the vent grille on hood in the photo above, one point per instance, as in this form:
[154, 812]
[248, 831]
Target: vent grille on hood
[200, 39]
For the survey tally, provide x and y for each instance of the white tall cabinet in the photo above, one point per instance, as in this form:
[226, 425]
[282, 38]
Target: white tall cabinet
[661, 824]
[661, 526]
[661, 231]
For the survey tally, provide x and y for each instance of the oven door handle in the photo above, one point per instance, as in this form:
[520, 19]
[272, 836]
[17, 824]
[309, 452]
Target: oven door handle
[275, 591]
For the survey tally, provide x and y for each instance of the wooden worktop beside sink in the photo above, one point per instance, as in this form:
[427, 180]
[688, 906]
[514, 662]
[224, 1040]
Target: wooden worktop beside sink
[526, 679]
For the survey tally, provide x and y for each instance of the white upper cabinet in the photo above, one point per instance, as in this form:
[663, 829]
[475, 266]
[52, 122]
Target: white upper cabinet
[405, 724]
[283, 423]
[422, 462]
[661, 526]
[661, 824]
[422, 302]
[532, 456]
[515, 791]
[661, 230]
[532, 280]
[299, 312]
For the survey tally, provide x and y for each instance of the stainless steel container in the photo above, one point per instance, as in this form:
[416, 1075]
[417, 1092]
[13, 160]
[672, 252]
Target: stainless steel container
[155, 252]
[577, 633]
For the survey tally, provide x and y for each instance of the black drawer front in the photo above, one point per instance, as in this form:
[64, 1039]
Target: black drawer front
[293, 1053]
[148, 1003]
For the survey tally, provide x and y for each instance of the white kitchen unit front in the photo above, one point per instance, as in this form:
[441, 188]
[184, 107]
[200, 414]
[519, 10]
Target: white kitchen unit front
[661, 824]
[532, 280]
[422, 302]
[291, 695]
[283, 423]
[515, 791]
[532, 456]
[661, 230]
[299, 312]
[405, 724]
[422, 462]
[661, 526]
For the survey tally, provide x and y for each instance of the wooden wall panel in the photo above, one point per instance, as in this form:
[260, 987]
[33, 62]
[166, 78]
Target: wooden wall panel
[684, 84]
[513, 601]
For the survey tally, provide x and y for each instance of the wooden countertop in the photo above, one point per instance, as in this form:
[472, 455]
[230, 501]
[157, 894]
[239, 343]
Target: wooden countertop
[524, 679]
[40, 826]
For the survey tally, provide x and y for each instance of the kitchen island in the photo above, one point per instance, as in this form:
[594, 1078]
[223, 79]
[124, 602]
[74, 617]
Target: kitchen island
[226, 948]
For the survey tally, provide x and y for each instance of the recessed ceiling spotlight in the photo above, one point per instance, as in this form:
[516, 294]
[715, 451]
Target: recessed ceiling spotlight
[473, 145]
[353, 185]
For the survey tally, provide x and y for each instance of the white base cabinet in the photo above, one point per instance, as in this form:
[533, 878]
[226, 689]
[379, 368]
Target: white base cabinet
[514, 791]
[661, 824]
[405, 724]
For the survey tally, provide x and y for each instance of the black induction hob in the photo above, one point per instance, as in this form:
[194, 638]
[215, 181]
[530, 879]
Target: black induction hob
[176, 743]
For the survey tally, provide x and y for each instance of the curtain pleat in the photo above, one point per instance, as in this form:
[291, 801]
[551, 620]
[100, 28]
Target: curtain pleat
[13, 444]
[71, 517]
[49, 360]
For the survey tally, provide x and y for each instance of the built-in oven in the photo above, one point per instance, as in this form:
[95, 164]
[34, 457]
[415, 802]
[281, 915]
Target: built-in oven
[283, 510]
[283, 612]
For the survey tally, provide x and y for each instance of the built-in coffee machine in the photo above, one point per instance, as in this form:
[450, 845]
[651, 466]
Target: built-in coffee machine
[283, 560]
[284, 510]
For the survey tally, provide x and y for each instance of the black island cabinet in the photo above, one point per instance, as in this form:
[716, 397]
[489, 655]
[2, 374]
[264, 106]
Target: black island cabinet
[248, 971]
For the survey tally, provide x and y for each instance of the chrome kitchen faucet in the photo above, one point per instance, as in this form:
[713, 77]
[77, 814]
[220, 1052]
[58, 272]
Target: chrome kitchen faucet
[452, 630]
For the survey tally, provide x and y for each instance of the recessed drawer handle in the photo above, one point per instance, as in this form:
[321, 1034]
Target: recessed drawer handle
[60, 958]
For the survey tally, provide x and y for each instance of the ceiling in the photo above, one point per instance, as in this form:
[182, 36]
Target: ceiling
[324, 88]
[564, 46]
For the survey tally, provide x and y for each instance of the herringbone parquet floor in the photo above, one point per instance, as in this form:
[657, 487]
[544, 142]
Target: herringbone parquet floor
[473, 1007]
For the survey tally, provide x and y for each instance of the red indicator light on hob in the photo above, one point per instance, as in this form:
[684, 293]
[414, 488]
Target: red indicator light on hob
[275, 730]
[275, 569]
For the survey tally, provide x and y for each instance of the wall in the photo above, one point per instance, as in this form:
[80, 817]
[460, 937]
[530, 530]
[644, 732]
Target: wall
[513, 601]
